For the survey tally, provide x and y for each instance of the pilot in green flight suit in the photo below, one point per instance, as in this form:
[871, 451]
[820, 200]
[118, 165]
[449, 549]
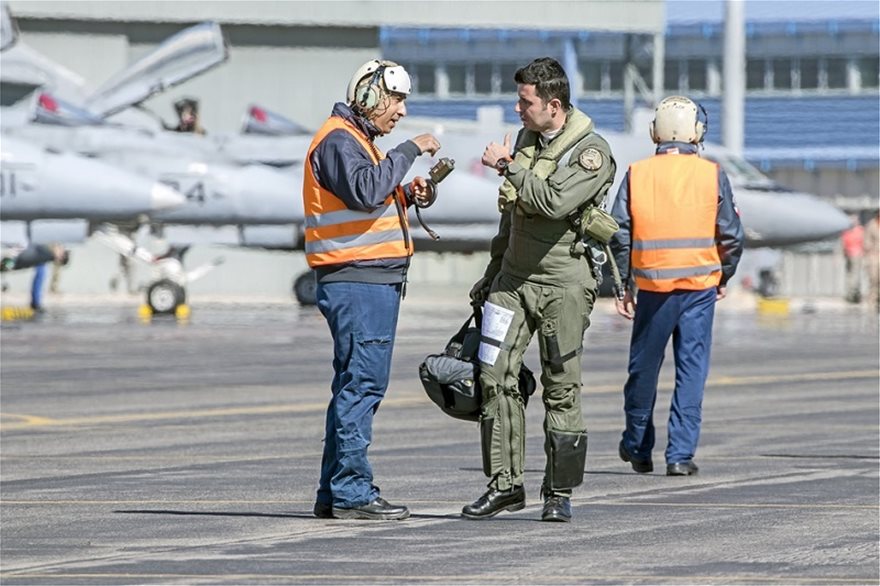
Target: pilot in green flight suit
[539, 281]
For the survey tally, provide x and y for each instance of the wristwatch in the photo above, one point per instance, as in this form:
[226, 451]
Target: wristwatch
[501, 165]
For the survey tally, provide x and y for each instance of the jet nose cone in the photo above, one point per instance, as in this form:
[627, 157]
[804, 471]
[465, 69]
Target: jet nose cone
[811, 218]
[163, 197]
[788, 218]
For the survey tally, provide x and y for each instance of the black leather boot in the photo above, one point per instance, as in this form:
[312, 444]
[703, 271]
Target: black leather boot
[495, 501]
[323, 510]
[378, 510]
[556, 508]
[640, 466]
[687, 468]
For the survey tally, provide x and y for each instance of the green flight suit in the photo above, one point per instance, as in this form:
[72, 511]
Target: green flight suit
[550, 289]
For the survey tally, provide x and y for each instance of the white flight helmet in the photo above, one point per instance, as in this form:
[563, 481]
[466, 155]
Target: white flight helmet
[373, 80]
[677, 119]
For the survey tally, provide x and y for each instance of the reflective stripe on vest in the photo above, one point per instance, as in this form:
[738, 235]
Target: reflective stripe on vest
[335, 234]
[673, 201]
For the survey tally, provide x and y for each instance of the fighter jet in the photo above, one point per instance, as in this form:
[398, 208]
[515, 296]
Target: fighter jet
[217, 189]
[37, 184]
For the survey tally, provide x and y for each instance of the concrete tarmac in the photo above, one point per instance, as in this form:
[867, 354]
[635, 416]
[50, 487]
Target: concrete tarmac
[188, 453]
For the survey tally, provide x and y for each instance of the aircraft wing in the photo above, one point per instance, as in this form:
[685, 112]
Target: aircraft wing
[188, 53]
[8, 28]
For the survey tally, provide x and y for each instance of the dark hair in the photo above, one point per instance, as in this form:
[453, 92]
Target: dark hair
[183, 103]
[549, 79]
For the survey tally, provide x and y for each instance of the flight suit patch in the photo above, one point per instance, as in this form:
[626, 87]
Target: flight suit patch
[590, 159]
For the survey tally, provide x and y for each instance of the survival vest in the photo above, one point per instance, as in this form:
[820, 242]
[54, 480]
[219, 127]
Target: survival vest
[335, 234]
[673, 202]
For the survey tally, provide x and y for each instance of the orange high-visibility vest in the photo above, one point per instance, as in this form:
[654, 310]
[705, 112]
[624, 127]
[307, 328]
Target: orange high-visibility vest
[673, 201]
[335, 234]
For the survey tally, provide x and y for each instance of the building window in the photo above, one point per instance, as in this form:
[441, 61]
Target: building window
[483, 78]
[615, 76]
[755, 74]
[869, 71]
[457, 73]
[696, 75]
[670, 75]
[781, 74]
[591, 74]
[835, 69]
[426, 83]
[508, 84]
[809, 71]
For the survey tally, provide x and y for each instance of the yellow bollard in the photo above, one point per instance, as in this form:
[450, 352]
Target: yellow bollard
[777, 306]
[182, 312]
[16, 313]
[145, 314]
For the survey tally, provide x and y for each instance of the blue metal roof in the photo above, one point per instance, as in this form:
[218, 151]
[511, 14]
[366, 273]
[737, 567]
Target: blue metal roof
[827, 130]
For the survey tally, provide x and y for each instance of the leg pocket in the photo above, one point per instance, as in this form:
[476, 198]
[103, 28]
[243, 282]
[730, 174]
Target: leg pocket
[568, 454]
[372, 362]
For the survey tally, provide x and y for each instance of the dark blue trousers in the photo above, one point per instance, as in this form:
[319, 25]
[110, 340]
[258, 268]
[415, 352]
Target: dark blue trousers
[37, 285]
[687, 317]
[362, 319]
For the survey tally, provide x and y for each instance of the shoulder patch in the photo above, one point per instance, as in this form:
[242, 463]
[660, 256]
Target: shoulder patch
[590, 159]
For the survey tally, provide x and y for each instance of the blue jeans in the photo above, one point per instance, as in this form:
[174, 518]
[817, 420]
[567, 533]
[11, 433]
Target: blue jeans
[37, 285]
[686, 316]
[362, 319]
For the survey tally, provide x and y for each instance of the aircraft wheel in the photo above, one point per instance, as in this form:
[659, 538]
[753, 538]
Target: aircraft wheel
[305, 288]
[165, 296]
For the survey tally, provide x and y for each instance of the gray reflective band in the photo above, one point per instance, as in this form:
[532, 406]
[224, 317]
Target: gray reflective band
[673, 243]
[343, 216]
[353, 241]
[660, 274]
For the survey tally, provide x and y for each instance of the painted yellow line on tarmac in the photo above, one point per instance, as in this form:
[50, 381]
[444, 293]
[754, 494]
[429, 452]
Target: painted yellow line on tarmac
[33, 421]
[738, 381]
[492, 578]
[28, 420]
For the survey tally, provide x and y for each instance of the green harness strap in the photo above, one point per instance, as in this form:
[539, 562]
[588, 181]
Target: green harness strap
[577, 126]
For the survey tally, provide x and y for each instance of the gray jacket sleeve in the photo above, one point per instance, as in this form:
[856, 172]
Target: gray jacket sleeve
[622, 239]
[729, 233]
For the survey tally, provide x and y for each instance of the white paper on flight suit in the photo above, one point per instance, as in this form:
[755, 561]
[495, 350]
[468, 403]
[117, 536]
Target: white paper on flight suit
[496, 322]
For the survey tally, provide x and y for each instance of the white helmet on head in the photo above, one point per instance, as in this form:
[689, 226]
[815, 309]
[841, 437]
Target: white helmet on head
[373, 80]
[677, 119]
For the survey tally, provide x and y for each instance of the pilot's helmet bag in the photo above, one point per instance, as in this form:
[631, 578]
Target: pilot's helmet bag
[452, 379]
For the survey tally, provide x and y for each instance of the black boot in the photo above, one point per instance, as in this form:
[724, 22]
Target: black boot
[495, 501]
[323, 510]
[686, 468]
[556, 508]
[378, 510]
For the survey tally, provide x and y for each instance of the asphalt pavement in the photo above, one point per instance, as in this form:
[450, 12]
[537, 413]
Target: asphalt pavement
[188, 453]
